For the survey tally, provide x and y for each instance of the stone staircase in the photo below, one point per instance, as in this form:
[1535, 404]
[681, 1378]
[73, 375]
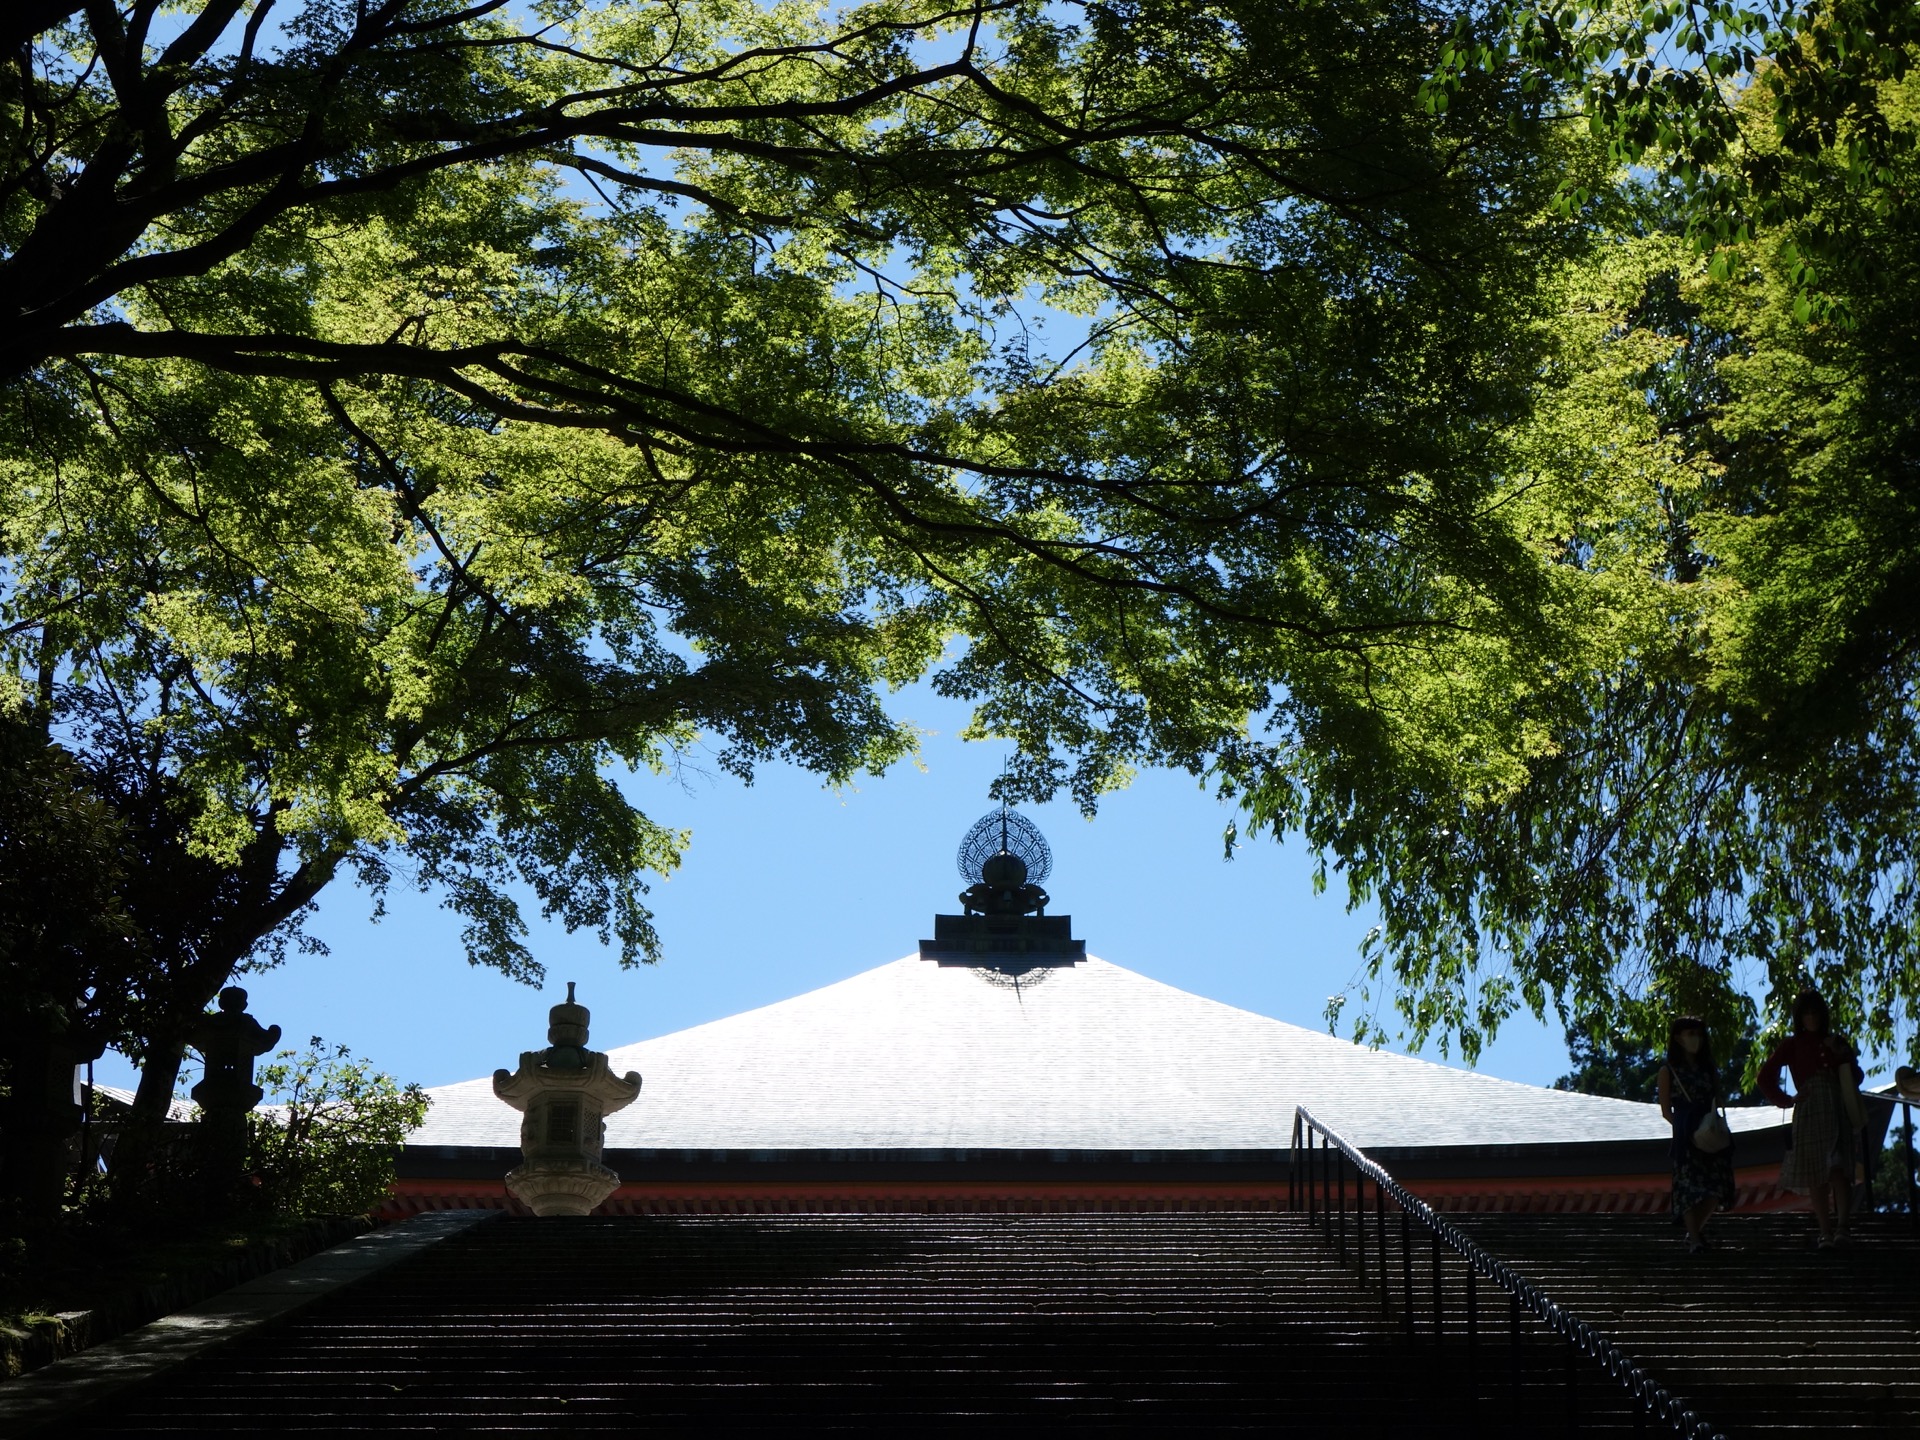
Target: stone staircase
[1143, 1323]
[1122, 1322]
[1763, 1337]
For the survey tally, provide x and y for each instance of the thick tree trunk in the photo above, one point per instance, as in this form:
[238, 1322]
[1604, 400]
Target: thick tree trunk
[195, 985]
[138, 1146]
[138, 1149]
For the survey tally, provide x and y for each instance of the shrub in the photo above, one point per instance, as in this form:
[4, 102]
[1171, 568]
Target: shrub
[1890, 1184]
[327, 1138]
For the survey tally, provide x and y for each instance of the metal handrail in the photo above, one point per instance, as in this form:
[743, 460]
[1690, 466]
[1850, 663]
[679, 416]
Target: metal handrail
[1652, 1397]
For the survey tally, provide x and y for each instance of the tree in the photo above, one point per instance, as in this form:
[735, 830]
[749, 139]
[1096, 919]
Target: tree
[415, 416]
[1609, 1062]
[1664, 85]
[1607, 1065]
[331, 1131]
[66, 942]
[1724, 809]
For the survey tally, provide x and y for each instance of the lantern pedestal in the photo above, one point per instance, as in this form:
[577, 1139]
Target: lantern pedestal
[562, 1187]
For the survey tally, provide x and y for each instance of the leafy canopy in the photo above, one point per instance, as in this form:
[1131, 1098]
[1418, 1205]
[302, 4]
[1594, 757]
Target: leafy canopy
[423, 411]
[1723, 809]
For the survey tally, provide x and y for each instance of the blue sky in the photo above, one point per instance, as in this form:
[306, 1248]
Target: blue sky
[788, 887]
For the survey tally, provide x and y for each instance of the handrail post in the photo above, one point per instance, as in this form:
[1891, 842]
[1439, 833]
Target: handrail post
[1438, 1303]
[1573, 1389]
[1473, 1338]
[1870, 1151]
[1321, 1171]
[1360, 1223]
[1513, 1330]
[1293, 1165]
[1380, 1246]
[1406, 1266]
[1913, 1202]
[1312, 1210]
[1340, 1175]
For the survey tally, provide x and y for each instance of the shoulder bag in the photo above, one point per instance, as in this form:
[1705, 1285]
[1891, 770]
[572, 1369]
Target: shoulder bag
[1712, 1134]
[1850, 1101]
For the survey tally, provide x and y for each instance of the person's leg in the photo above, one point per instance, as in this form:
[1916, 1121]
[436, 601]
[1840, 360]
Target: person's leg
[1842, 1186]
[1817, 1197]
[1696, 1218]
[1691, 1218]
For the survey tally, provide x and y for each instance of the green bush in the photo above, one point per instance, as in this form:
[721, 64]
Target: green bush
[330, 1132]
[1890, 1183]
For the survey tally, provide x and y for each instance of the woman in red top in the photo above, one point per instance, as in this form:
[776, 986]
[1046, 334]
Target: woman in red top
[1820, 1164]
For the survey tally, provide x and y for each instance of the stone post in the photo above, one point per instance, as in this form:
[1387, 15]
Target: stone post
[565, 1092]
[228, 1041]
[38, 1115]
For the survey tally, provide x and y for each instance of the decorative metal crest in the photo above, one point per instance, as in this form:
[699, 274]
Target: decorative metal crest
[1005, 831]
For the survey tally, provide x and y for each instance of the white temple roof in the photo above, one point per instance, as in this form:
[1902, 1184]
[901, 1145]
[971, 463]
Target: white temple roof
[913, 1056]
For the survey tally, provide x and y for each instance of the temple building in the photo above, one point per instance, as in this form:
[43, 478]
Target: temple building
[1001, 1067]
[910, 1202]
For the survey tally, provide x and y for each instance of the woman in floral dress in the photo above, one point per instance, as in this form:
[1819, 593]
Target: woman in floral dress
[1689, 1091]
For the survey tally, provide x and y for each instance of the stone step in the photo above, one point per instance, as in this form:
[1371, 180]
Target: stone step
[1135, 1323]
[1765, 1336]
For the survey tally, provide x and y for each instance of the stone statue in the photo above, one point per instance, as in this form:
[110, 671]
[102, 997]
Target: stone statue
[565, 1092]
[229, 1042]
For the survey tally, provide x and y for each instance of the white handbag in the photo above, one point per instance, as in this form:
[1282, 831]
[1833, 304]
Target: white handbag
[1712, 1134]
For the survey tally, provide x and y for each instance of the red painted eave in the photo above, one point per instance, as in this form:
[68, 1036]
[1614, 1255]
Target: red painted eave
[1758, 1189]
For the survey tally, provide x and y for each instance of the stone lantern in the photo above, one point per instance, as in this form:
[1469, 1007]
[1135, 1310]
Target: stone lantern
[565, 1092]
[229, 1041]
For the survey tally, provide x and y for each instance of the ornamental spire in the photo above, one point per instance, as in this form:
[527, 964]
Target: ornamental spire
[1004, 925]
